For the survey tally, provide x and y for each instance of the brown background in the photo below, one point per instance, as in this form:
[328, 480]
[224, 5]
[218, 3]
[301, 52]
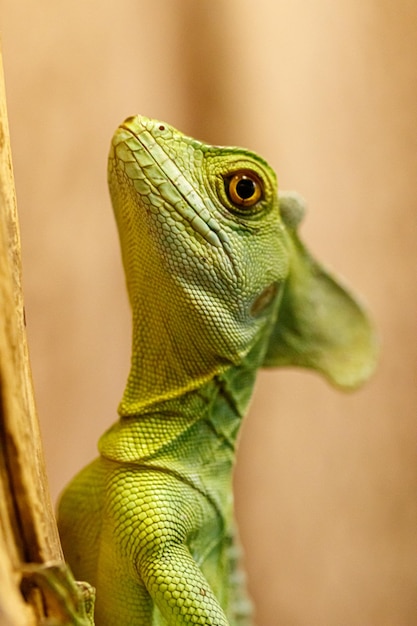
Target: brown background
[326, 91]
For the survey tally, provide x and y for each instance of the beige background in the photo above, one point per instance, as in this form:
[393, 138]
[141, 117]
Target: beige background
[326, 91]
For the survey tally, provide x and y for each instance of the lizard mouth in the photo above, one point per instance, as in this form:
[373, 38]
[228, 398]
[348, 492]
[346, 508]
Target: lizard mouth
[171, 182]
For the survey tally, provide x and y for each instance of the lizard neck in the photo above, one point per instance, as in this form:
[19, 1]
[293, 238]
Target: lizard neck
[173, 352]
[172, 431]
[171, 356]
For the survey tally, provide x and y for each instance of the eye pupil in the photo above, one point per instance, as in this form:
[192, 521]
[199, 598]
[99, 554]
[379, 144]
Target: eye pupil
[245, 188]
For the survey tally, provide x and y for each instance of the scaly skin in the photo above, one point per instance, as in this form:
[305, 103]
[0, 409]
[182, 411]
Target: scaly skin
[219, 285]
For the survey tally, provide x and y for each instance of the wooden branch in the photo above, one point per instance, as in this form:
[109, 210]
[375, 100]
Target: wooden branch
[28, 532]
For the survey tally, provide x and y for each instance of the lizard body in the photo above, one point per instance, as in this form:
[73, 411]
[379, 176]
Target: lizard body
[220, 285]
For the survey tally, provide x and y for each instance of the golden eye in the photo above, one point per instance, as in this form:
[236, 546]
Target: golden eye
[244, 189]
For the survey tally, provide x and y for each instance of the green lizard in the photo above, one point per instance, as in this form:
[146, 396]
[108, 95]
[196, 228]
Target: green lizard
[220, 285]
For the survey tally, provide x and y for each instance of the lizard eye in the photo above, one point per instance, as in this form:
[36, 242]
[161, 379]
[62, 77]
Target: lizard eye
[244, 189]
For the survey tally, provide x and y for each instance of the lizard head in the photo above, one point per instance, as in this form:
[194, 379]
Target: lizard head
[206, 252]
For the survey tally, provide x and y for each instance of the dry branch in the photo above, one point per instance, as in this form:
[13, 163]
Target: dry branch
[28, 532]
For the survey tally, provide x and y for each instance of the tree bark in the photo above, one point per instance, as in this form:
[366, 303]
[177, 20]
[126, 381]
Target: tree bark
[28, 532]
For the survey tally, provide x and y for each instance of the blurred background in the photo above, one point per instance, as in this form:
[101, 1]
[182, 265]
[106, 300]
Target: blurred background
[326, 91]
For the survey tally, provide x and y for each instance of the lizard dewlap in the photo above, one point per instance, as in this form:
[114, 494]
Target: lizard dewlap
[219, 285]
